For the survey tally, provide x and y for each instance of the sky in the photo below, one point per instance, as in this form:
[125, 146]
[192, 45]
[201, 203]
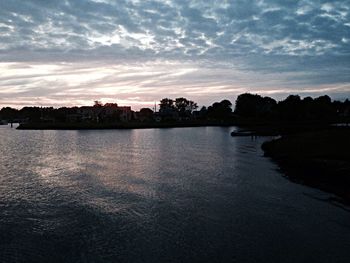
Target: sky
[136, 52]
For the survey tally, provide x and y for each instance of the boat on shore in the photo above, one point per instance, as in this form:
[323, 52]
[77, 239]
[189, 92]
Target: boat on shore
[243, 133]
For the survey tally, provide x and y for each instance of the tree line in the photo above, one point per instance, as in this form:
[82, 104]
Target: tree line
[247, 106]
[293, 108]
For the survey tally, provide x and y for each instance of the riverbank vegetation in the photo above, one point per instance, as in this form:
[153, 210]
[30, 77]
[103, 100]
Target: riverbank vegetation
[249, 110]
[318, 158]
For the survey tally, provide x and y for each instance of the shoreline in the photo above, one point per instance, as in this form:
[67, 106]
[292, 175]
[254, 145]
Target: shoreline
[119, 126]
[258, 128]
[319, 159]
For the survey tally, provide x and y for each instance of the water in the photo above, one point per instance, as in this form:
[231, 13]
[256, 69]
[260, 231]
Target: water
[158, 195]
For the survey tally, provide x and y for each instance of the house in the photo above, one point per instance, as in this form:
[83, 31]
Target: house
[110, 112]
[126, 113]
[87, 113]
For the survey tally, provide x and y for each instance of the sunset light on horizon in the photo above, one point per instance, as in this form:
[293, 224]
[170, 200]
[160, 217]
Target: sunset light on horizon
[65, 53]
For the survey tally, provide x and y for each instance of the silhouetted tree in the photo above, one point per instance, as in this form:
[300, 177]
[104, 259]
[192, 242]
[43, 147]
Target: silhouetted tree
[323, 107]
[291, 108]
[220, 110]
[254, 105]
[146, 114]
[201, 114]
[166, 103]
[32, 113]
[8, 114]
[185, 106]
[342, 109]
[62, 113]
[146, 111]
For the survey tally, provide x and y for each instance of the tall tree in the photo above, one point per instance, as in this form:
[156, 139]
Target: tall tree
[166, 103]
[183, 105]
[220, 110]
[254, 105]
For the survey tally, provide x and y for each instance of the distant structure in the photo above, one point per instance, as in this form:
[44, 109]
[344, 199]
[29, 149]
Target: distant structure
[101, 113]
[249, 108]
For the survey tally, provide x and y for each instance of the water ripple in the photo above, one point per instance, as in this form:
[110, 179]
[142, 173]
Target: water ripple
[172, 195]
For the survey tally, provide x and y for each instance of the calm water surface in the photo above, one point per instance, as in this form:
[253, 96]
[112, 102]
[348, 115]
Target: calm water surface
[158, 195]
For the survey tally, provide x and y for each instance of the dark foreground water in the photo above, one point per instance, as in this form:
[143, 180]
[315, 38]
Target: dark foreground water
[158, 195]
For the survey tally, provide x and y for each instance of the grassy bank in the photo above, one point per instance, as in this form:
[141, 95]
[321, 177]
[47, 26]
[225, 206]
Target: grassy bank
[316, 158]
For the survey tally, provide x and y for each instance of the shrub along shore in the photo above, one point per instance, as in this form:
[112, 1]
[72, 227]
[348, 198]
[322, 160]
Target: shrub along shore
[319, 158]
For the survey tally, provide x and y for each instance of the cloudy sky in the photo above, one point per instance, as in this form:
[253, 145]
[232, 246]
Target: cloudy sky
[135, 52]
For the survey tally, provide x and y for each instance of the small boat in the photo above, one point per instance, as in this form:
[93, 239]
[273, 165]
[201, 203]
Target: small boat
[243, 133]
